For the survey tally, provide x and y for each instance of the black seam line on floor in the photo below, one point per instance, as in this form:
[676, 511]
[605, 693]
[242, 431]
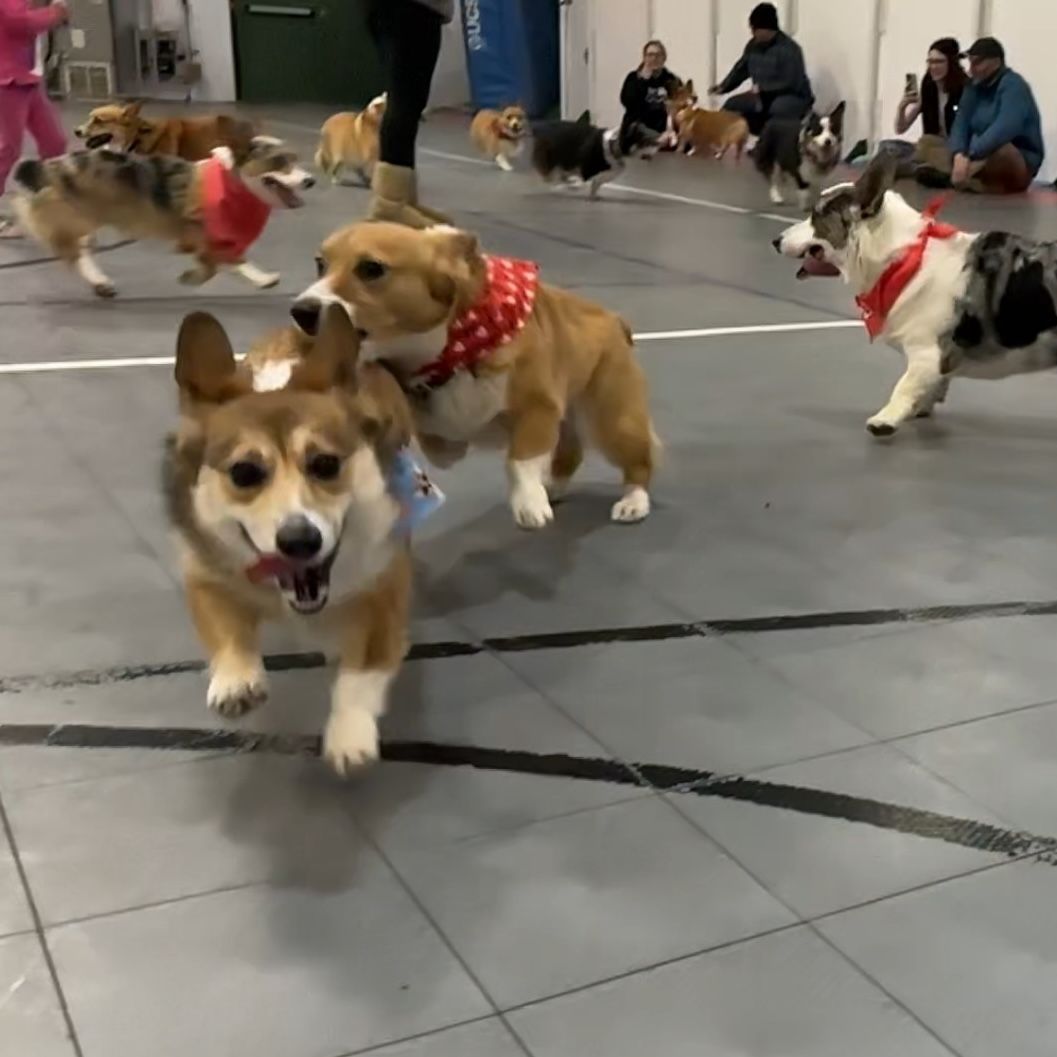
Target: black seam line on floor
[8, 266]
[561, 640]
[687, 781]
[704, 280]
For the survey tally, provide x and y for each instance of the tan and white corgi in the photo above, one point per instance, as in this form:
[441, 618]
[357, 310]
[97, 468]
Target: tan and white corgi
[500, 134]
[213, 210]
[349, 140]
[279, 487]
[715, 131]
[492, 356]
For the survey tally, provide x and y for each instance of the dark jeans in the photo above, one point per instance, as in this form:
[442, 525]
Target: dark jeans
[408, 37]
[759, 109]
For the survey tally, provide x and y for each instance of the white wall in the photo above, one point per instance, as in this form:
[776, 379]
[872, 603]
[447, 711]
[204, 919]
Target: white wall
[686, 30]
[837, 39]
[211, 39]
[1026, 29]
[619, 30]
[451, 82]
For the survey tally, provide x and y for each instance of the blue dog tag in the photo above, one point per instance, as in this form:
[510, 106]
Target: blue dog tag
[417, 495]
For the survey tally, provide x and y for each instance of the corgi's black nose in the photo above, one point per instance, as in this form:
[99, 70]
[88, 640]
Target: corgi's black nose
[777, 244]
[309, 181]
[306, 312]
[298, 538]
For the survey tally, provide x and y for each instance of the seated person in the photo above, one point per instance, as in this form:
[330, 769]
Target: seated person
[997, 137]
[646, 92]
[775, 64]
[936, 103]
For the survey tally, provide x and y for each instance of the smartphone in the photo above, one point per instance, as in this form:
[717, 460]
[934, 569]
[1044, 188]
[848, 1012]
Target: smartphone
[911, 84]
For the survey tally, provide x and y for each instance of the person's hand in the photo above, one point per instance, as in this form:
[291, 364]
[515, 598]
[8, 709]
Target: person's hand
[909, 100]
[755, 89]
[960, 169]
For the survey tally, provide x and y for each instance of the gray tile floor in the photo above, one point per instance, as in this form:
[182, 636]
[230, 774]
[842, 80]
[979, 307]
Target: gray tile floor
[860, 888]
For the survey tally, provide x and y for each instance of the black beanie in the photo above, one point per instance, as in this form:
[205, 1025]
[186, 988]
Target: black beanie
[764, 16]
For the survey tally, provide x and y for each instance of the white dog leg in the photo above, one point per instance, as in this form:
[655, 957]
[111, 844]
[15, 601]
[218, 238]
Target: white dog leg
[528, 491]
[919, 381]
[89, 270]
[351, 736]
[504, 162]
[260, 279]
[937, 396]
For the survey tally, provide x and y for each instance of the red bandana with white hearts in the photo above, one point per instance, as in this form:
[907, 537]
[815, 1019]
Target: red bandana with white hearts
[493, 320]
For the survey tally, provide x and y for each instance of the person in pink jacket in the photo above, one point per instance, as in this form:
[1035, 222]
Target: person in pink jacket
[24, 105]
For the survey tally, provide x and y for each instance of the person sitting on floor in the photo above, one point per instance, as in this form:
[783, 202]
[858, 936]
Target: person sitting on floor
[997, 137]
[775, 64]
[646, 91]
[936, 102]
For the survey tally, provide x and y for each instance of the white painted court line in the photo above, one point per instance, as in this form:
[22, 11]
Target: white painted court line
[646, 192]
[53, 366]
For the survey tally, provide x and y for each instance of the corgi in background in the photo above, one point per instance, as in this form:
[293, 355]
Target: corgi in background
[349, 140]
[499, 134]
[698, 129]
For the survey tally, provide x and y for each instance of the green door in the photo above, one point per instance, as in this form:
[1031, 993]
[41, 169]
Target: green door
[305, 51]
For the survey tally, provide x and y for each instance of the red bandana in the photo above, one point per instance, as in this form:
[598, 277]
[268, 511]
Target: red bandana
[877, 302]
[234, 216]
[495, 319]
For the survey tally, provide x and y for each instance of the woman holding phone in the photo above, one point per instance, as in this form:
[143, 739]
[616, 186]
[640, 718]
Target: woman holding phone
[935, 101]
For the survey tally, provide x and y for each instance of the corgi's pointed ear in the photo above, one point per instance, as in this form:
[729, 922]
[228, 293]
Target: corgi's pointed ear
[459, 265]
[132, 109]
[689, 86]
[878, 176]
[206, 371]
[836, 116]
[330, 362]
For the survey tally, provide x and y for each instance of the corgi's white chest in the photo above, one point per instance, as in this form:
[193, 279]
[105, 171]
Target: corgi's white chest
[467, 409]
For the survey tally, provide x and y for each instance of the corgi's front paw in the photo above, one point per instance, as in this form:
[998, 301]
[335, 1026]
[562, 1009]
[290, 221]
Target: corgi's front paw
[237, 687]
[635, 506]
[531, 507]
[350, 739]
[880, 426]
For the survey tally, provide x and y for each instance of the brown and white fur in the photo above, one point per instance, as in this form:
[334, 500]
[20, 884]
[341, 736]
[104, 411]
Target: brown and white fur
[349, 140]
[698, 129]
[285, 455]
[123, 127]
[570, 370]
[64, 201]
[499, 134]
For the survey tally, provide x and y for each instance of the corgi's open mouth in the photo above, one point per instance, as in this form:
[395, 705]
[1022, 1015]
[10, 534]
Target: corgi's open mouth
[100, 139]
[305, 587]
[287, 195]
[814, 263]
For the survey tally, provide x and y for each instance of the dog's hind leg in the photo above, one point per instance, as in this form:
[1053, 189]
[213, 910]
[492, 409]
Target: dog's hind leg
[776, 186]
[254, 275]
[937, 396]
[619, 418]
[88, 269]
[920, 380]
[503, 162]
[567, 457]
[203, 271]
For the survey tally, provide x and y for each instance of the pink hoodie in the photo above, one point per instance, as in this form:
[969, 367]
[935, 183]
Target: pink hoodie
[20, 25]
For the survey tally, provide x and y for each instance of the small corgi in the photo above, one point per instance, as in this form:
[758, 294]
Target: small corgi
[213, 210]
[492, 357]
[123, 127]
[801, 153]
[350, 140]
[698, 129]
[286, 485]
[500, 134]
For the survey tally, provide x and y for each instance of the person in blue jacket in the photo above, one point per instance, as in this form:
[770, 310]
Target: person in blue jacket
[997, 137]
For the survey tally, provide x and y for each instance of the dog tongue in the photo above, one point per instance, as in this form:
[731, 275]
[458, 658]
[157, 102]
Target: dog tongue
[269, 567]
[816, 266]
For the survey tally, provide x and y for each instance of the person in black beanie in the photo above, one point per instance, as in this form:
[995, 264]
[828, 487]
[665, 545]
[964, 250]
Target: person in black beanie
[774, 63]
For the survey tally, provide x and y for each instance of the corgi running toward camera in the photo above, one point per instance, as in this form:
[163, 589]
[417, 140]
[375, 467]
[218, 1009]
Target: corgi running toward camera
[213, 210]
[803, 153]
[291, 492]
[500, 134]
[349, 140]
[492, 357]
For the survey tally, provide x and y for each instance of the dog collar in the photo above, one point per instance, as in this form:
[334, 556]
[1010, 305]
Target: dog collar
[234, 216]
[416, 496]
[879, 300]
[494, 319]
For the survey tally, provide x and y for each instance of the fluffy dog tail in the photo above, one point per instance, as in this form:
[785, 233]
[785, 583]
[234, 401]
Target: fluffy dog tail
[31, 176]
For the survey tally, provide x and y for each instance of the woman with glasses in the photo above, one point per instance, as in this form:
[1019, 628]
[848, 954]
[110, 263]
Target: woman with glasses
[647, 89]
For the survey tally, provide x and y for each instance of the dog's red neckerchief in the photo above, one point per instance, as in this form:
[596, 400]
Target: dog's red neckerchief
[233, 215]
[878, 301]
[494, 319]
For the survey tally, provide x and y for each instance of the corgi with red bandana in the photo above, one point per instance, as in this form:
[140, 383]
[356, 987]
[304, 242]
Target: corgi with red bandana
[492, 356]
